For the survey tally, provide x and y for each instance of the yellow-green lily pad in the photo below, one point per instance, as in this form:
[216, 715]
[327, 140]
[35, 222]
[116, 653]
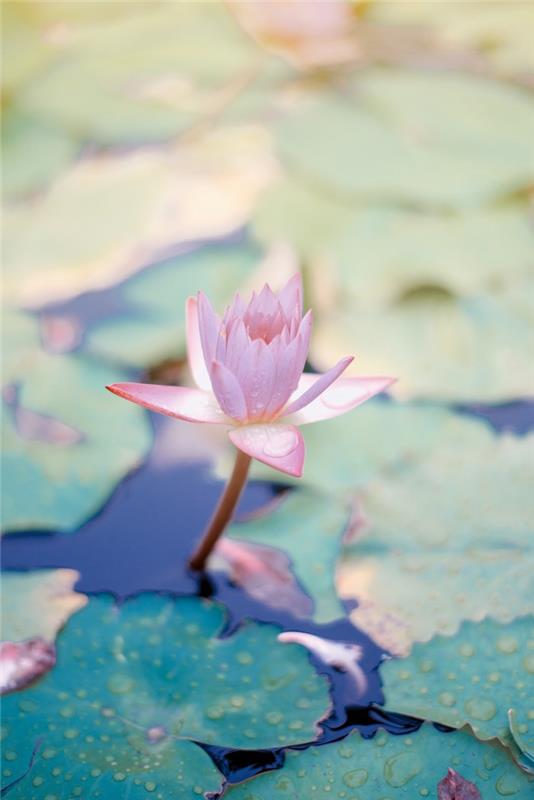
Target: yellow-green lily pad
[445, 539]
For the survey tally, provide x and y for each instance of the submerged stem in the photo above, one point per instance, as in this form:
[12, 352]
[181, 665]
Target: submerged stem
[223, 513]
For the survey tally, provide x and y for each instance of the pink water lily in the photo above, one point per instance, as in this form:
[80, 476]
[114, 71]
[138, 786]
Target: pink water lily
[248, 367]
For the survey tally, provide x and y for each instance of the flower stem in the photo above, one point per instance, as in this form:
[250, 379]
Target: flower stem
[223, 513]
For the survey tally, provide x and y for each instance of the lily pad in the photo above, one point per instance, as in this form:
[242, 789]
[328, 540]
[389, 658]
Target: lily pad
[388, 767]
[467, 350]
[472, 678]
[153, 325]
[308, 527]
[156, 663]
[345, 453]
[115, 86]
[445, 539]
[38, 603]
[65, 443]
[136, 208]
[436, 139]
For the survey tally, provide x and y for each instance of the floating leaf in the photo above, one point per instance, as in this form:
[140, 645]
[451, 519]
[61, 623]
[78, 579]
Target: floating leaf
[109, 216]
[115, 86]
[157, 663]
[308, 527]
[454, 524]
[467, 350]
[153, 325]
[38, 603]
[56, 482]
[388, 767]
[471, 678]
[444, 140]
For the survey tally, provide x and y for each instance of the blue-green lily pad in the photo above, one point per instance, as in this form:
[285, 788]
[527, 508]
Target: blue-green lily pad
[472, 678]
[446, 539]
[156, 664]
[66, 444]
[153, 328]
[388, 767]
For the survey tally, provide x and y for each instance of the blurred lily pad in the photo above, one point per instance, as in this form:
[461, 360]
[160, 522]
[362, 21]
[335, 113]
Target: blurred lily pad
[152, 328]
[156, 664]
[436, 139]
[32, 153]
[24, 49]
[468, 350]
[114, 85]
[471, 678]
[345, 453]
[38, 603]
[65, 443]
[388, 767]
[308, 527]
[499, 31]
[446, 538]
[108, 216]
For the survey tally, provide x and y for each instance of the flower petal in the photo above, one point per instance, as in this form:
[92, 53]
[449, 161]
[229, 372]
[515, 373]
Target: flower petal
[341, 396]
[290, 298]
[279, 446]
[197, 363]
[192, 405]
[256, 373]
[319, 386]
[209, 327]
[228, 391]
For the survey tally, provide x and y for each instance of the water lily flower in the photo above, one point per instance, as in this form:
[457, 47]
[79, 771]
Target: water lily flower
[248, 367]
[249, 371]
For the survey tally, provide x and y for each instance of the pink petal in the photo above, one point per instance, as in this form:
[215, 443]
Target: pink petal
[455, 787]
[256, 374]
[279, 446]
[236, 344]
[228, 391]
[209, 327]
[320, 385]
[290, 298]
[193, 405]
[341, 396]
[197, 363]
[290, 360]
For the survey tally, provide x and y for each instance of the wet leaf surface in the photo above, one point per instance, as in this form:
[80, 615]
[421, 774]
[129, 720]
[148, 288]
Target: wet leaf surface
[388, 766]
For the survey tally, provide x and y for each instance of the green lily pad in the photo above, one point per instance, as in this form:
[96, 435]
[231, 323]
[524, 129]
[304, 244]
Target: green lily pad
[472, 678]
[388, 767]
[156, 664]
[66, 444]
[32, 153]
[467, 350]
[345, 453]
[153, 328]
[38, 603]
[308, 527]
[436, 139]
[113, 85]
[445, 540]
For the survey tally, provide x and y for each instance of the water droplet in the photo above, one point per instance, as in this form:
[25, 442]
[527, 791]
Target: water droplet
[466, 650]
[150, 786]
[237, 702]
[120, 684]
[214, 712]
[480, 708]
[528, 663]
[400, 769]
[281, 443]
[66, 712]
[10, 755]
[508, 784]
[355, 778]
[70, 733]
[38, 781]
[345, 751]
[274, 717]
[244, 658]
[494, 677]
[507, 645]
[447, 699]
[426, 666]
